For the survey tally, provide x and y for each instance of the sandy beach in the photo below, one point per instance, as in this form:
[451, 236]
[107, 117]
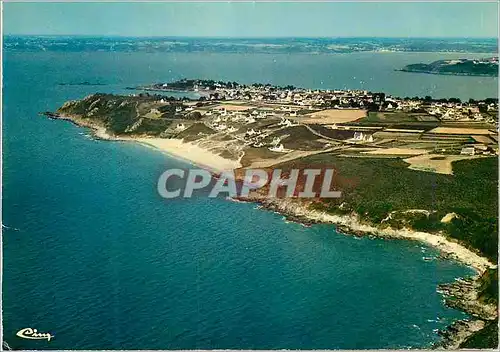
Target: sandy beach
[191, 153]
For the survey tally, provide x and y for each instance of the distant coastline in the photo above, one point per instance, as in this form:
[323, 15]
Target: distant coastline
[249, 45]
[446, 73]
[487, 67]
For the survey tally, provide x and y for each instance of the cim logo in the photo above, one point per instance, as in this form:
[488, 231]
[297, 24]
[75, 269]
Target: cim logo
[33, 334]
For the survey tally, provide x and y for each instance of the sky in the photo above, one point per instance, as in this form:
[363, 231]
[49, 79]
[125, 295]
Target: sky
[254, 19]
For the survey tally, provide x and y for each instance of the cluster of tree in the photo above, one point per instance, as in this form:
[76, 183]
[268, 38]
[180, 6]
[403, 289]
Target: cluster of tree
[486, 101]
[149, 96]
[429, 99]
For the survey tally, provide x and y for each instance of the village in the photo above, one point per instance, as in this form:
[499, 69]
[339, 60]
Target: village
[297, 99]
[264, 125]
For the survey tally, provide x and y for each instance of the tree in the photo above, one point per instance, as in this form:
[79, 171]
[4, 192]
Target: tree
[372, 107]
[483, 108]
[195, 115]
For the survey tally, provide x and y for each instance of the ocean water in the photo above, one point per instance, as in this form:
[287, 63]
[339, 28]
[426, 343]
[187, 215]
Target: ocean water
[95, 257]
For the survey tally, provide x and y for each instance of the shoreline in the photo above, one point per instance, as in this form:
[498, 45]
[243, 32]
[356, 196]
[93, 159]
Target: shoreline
[350, 225]
[294, 210]
[462, 295]
[353, 226]
[175, 148]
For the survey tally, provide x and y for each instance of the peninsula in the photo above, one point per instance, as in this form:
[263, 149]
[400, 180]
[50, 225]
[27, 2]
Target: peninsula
[460, 67]
[415, 168]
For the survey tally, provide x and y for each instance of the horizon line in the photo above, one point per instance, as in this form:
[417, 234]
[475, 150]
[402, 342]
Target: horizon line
[241, 37]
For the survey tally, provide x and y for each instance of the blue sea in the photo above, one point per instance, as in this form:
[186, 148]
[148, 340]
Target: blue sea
[94, 256]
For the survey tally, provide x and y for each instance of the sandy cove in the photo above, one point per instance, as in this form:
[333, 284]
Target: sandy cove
[191, 153]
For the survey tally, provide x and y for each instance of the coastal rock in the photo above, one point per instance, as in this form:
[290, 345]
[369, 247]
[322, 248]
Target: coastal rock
[463, 294]
[455, 334]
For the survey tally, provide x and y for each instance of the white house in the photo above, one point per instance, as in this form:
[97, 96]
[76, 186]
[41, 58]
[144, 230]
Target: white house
[279, 148]
[467, 151]
[362, 137]
[358, 136]
[221, 127]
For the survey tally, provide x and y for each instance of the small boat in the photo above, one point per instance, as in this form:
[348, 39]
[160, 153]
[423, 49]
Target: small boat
[427, 259]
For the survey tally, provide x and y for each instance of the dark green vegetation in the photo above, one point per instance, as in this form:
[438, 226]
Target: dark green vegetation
[333, 133]
[398, 120]
[297, 138]
[488, 292]
[456, 67]
[383, 191]
[484, 338]
[125, 114]
[207, 84]
[195, 132]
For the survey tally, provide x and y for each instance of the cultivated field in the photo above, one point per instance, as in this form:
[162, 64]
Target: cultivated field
[458, 130]
[331, 116]
[483, 139]
[397, 151]
[231, 107]
[440, 164]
